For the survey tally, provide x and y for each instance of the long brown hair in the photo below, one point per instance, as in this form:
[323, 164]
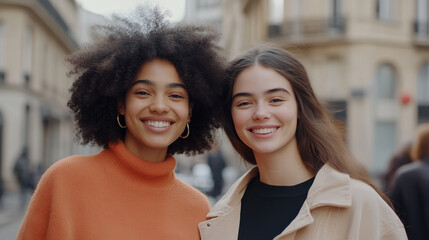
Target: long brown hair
[319, 141]
[420, 148]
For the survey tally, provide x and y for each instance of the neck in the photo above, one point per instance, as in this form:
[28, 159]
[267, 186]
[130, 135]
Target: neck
[282, 168]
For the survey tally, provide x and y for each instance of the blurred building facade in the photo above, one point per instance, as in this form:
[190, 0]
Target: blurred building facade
[35, 38]
[211, 12]
[207, 11]
[367, 59]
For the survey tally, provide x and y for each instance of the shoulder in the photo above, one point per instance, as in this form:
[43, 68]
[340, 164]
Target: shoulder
[363, 194]
[409, 170]
[368, 205]
[72, 167]
[72, 163]
[186, 195]
[189, 191]
[368, 202]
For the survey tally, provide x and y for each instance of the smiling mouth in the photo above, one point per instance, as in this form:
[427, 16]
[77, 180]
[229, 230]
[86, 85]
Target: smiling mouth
[158, 124]
[263, 130]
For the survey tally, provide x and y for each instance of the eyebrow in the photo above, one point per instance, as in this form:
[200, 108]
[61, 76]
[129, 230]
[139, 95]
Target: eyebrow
[270, 91]
[151, 83]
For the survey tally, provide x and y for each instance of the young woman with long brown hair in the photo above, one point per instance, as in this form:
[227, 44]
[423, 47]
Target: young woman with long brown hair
[306, 184]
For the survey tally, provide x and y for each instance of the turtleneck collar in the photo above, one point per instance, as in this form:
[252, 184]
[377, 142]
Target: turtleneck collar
[141, 167]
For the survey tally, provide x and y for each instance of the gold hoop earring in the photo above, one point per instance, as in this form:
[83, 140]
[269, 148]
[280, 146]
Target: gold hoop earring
[119, 123]
[187, 134]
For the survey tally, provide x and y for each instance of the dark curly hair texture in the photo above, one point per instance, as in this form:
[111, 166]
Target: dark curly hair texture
[105, 69]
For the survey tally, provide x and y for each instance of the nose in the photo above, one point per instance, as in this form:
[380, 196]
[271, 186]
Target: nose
[261, 112]
[159, 105]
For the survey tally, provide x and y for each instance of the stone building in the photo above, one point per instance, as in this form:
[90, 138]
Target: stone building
[35, 38]
[367, 59]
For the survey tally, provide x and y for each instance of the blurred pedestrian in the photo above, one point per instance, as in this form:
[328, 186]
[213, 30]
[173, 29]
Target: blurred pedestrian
[23, 175]
[216, 162]
[306, 184]
[145, 90]
[398, 159]
[410, 194]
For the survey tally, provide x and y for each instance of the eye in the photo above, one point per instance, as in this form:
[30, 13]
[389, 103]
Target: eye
[276, 100]
[243, 104]
[142, 92]
[176, 96]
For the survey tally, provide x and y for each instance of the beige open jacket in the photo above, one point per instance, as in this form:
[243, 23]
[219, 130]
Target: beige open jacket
[337, 208]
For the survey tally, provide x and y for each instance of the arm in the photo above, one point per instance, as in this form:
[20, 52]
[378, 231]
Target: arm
[36, 221]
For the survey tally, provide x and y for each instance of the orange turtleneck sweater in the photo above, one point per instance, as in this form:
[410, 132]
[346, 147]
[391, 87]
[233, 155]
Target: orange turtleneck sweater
[113, 195]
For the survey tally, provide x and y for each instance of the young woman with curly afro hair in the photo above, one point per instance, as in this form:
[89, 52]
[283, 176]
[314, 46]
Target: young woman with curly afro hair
[144, 90]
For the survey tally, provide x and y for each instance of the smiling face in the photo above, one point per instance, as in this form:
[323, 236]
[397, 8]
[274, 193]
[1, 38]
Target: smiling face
[264, 111]
[156, 110]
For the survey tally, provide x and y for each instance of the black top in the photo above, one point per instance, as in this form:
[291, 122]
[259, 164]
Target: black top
[267, 210]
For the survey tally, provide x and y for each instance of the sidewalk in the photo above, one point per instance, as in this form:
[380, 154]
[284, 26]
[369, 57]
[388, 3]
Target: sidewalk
[11, 209]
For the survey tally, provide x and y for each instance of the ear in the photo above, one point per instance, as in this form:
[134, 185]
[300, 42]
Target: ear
[121, 108]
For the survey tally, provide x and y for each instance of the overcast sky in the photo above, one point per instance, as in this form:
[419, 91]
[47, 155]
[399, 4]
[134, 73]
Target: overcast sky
[107, 7]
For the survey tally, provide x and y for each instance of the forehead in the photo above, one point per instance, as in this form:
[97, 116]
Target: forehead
[158, 71]
[259, 78]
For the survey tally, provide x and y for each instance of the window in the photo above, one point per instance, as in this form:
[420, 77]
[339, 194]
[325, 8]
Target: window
[386, 113]
[422, 18]
[423, 93]
[385, 10]
[386, 83]
[275, 17]
[275, 13]
[335, 19]
[423, 85]
[335, 8]
[2, 54]
[384, 144]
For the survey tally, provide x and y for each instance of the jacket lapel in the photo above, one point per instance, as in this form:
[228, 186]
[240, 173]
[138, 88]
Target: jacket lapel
[234, 194]
[330, 188]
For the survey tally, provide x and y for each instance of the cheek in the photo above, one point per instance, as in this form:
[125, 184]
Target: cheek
[182, 109]
[239, 118]
[288, 114]
[134, 106]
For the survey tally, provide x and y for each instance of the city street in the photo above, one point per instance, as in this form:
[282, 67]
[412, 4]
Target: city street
[11, 215]
[10, 230]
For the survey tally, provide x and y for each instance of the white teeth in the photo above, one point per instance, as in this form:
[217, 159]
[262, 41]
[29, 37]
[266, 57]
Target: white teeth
[263, 130]
[158, 124]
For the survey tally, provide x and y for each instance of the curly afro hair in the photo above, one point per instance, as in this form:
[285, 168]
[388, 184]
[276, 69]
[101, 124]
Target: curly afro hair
[105, 69]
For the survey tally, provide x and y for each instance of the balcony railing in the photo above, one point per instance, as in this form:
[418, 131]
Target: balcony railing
[308, 28]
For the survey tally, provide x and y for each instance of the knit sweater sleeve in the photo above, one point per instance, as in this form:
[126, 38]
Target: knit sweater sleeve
[36, 222]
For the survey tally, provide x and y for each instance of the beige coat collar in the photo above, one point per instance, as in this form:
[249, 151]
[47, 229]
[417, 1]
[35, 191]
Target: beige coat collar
[330, 187]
